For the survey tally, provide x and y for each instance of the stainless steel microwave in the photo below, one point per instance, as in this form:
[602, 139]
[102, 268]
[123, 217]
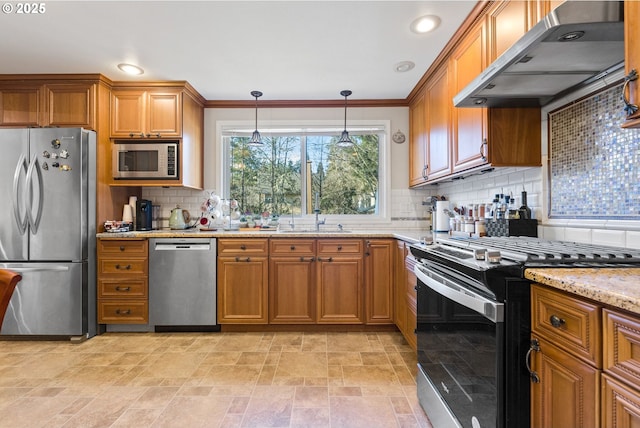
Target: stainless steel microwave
[157, 160]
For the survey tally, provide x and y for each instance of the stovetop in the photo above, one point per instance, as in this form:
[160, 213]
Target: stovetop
[491, 252]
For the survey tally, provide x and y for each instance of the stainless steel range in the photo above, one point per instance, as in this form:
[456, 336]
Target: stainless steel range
[474, 323]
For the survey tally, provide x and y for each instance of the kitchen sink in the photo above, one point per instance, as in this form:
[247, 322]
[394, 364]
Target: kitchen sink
[321, 231]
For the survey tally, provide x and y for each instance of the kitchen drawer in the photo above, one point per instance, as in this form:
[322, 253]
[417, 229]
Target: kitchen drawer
[243, 247]
[570, 323]
[622, 346]
[130, 247]
[123, 312]
[295, 247]
[126, 288]
[620, 404]
[120, 266]
[339, 246]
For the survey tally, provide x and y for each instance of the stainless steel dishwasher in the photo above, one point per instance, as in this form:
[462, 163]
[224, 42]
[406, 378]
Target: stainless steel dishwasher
[182, 284]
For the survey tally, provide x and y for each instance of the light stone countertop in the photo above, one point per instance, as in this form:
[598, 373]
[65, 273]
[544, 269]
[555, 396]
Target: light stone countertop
[617, 287]
[409, 235]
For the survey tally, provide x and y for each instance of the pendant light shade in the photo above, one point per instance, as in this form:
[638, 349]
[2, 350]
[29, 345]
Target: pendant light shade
[345, 140]
[256, 139]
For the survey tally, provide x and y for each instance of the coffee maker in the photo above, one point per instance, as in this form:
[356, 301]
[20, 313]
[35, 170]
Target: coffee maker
[144, 211]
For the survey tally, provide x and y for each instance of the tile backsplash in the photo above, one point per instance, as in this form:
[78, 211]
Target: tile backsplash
[594, 170]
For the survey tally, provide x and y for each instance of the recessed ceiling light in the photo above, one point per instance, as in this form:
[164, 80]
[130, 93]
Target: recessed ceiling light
[424, 24]
[403, 66]
[131, 69]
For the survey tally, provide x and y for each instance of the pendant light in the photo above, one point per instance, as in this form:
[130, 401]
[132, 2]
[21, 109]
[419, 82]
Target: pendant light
[256, 139]
[345, 140]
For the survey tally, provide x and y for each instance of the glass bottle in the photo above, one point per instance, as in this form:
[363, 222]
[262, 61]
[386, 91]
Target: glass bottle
[524, 211]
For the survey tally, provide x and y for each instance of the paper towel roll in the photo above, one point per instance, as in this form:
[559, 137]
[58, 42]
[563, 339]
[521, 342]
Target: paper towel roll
[442, 218]
[127, 214]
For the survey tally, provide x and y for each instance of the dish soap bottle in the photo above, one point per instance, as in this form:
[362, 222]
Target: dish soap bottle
[524, 211]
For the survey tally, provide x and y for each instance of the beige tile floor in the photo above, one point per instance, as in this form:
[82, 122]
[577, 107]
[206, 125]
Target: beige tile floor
[211, 380]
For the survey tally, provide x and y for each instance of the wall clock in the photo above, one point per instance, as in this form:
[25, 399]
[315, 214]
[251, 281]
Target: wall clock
[398, 137]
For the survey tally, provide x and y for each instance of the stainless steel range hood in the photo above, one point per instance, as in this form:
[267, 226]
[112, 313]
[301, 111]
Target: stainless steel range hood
[576, 44]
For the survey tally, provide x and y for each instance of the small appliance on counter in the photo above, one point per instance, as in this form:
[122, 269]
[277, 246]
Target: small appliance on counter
[144, 211]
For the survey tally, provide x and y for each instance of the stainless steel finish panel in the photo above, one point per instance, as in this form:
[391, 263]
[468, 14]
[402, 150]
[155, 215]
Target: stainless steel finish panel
[182, 282]
[434, 406]
[50, 300]
[60, 194]
[14, 236]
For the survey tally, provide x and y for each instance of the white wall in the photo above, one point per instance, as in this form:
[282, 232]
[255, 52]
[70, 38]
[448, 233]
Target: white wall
[406, 210]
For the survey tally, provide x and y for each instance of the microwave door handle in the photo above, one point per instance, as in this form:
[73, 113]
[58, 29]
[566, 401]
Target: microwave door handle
[490, 309]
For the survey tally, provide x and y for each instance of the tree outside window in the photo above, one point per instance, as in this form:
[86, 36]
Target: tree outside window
[285, 173]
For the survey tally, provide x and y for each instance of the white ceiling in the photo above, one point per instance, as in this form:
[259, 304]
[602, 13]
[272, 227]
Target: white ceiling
[290, 50]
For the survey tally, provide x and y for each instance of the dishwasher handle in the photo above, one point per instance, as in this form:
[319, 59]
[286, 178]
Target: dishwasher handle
[162, 246]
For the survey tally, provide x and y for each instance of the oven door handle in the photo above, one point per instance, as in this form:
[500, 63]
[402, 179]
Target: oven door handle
[492, 310]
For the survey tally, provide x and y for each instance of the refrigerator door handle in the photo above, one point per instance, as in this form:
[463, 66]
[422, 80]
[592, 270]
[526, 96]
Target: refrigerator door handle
[34, 221]
[21, 220]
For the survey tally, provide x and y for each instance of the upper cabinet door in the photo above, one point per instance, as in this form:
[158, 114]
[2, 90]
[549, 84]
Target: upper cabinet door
[165, 114]
[508, 21]
[467, 61]
[71, 105]
[128, 113]
[20, 106]
[438, 125]
[418, 142]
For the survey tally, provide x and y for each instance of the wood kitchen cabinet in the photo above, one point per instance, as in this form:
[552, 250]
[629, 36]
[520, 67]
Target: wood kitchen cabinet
[378, 279]
[621, 365]
[405, 293]
[339, 281]
[567, 360]
[150, 113]
[61, 104]
[243, 279]
[632, 57]
[123, 275]
[292, 291]
[165, 110]
[496, 137]
[418, 141]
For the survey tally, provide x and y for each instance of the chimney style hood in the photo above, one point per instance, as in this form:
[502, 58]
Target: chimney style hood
[574, 45]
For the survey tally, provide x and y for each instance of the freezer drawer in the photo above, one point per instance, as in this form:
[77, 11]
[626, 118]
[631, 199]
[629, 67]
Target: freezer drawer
[48, 301]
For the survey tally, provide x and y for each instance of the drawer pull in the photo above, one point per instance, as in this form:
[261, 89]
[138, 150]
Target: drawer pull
[127, 267]
[339, 247]
[293, 247]
[121, 247]
[248, 259]
[126, 289]
[123, 311]
[556, 321]
[534, 346]
[320, 259]
[243, 247]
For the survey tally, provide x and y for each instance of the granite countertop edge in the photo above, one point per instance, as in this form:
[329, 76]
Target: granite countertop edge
[409, 235]
[615, 286]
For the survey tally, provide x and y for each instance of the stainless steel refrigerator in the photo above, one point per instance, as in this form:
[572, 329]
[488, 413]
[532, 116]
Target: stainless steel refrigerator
[47, 231]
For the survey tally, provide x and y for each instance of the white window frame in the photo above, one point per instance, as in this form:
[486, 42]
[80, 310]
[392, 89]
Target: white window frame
[268, 128]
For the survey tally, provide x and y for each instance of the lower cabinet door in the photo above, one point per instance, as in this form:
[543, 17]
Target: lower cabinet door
[291, 292]
[242, 290]
[567, 394]
[339, 283]
[620, 404]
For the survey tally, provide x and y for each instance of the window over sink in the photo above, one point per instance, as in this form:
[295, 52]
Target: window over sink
[298, 168]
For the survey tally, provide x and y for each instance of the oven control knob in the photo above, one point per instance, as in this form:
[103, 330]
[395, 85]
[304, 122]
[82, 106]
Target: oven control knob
[494, 256]
[480, 254]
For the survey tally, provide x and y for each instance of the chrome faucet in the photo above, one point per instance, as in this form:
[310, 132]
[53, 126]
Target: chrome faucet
[319, 222]
[292, 224]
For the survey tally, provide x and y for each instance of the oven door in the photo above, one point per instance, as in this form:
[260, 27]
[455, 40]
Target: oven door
[460, 335]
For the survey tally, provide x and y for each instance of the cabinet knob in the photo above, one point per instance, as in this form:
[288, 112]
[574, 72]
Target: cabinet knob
[130, 134]
[293, 247]
[121, 247]
[556, 321]
[339, 247]
[243, 247]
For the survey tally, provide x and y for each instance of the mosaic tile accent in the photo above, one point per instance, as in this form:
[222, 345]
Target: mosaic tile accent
[594, 168]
